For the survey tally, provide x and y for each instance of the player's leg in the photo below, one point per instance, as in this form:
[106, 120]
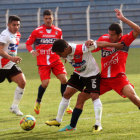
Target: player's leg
[92, 84]
[63, 80]
[93, 88]
[129, 92]
[59, 71]
[18, 77]
[125, 89]
[98, 111]
[62, 106]
[82, 97]
[74, 84]
[44, 72]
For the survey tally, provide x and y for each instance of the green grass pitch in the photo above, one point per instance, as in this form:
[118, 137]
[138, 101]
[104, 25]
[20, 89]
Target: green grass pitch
[120, 120]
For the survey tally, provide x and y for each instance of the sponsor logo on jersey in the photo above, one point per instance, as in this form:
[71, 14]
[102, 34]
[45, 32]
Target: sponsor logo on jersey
[56, 32]
[107, 52]
[111, 51]
[13, 49]
[78, 64]
[47, 36]
[41, 32]
[45, 41]
[77, 56]
[114, 60]
[79, 67]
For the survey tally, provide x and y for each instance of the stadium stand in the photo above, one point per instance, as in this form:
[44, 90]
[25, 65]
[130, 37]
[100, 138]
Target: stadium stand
[71, 15]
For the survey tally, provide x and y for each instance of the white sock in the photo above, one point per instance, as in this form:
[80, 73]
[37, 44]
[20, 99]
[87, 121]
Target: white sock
[98, 111]
[18, 95]
[62, 107]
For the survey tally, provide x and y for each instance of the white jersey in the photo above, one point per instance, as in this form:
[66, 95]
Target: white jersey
[82, 60]
[11, 42]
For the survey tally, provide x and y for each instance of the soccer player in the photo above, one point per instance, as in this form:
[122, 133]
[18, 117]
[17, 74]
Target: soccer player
[86, 78]
[47, 61]
[9, 41]
[113, 64]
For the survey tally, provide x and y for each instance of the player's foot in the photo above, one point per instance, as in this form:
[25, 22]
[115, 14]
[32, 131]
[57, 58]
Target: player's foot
[37, 107]
[67, 128]
[69, 110]
[53, 122]
[16, 110]
[97, 128]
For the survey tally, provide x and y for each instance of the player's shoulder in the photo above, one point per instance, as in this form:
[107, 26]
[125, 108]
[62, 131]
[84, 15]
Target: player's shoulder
[38, 28]
[56, 28]
[128, 34]
[104, 37]
[5, 32]
[5, 36]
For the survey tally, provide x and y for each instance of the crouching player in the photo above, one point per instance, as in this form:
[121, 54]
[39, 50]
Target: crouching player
[85, 78]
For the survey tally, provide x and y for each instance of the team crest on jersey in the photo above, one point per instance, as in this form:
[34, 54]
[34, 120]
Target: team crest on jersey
[77, 56]
[56, 32]
[48, 31]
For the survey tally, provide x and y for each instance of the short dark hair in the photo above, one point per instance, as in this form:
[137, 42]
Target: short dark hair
[13, 18]
[115, 27]
[59, 45]
[47, 12]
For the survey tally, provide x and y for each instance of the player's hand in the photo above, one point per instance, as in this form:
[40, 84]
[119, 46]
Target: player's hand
[89, 43]
[119, 14]
[16, 59]
[34, 53]
[120, 45]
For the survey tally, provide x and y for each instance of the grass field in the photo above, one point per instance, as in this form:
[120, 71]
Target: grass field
[120, 120]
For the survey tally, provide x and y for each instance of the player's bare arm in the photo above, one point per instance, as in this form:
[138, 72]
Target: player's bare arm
[102, 44]
[4, 54]
[134, 26]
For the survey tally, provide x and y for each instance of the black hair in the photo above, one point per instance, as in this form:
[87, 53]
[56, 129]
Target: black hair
[115, 27]
[13, 18]
[47, 12]
[59, 45]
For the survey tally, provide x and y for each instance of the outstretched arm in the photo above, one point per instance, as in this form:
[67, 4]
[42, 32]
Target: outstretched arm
[102, 44]
[134, 26]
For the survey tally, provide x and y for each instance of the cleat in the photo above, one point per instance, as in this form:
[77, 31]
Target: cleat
[16, 111]
[37, 107]
[97, 128]
[69, 110]
[53, 122]
[67, 128]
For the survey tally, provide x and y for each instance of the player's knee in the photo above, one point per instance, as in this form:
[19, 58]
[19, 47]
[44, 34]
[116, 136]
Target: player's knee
[45, 83]
[94, 96]
[63, 80]
[22, 83]
[67, 95]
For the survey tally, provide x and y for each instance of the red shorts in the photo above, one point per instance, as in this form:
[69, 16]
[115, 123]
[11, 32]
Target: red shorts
[56, 67]
[115, 84]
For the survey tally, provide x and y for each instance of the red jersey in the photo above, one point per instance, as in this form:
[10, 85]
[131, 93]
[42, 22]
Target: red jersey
[113, 61]
[43, 38]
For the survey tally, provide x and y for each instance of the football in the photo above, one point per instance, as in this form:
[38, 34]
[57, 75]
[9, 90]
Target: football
[27, 122]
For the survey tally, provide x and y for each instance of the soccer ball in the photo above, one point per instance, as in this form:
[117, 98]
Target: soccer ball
[27, 122]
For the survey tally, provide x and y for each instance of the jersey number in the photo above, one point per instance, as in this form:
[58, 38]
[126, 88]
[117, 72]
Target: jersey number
[93, 81]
